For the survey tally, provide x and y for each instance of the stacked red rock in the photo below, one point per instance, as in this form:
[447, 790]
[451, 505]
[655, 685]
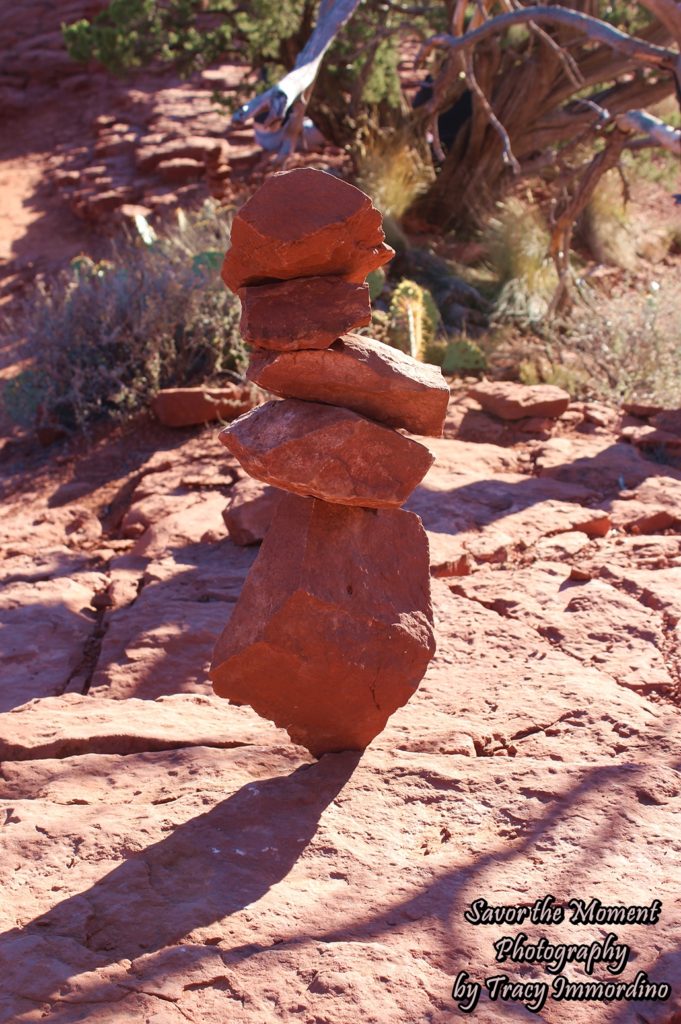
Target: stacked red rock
[333, 629]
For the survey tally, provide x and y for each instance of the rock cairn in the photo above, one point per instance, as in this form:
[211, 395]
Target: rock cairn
[333, 629]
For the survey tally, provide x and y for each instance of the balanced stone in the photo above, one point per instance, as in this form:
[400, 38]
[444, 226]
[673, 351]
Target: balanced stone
[304, 223]
[327, 452]
[333, 629]
[366, 376]
[306, 313]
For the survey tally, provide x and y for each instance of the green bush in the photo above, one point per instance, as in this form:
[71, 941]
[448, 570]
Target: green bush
[104, 337]
[135, 33]
[463, 356]
[623, 353]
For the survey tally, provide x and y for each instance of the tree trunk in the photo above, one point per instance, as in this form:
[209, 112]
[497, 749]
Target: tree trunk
[530, 92]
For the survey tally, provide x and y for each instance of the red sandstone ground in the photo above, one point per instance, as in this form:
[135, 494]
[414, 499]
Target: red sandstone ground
[168, 857]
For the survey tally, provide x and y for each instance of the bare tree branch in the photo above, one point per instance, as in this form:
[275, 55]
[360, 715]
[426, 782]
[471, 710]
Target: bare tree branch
[593, 28]
[474, 86]
[659, 133]
[296, 86]
[561, 236]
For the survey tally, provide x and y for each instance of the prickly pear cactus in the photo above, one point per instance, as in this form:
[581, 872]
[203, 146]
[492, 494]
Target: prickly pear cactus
[414, 318]
[463, 356]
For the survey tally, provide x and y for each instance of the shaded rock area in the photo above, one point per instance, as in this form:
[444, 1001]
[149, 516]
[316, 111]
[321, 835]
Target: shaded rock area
[249, 510]
[311, 312]
[166, 854]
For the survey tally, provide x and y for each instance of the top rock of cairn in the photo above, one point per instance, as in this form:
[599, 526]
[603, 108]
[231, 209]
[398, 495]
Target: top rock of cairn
[304, 223]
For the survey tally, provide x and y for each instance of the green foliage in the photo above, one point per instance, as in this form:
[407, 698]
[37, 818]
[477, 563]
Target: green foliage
[463, 356]
[372, 81]
[574, 380]
[263, 25]
[624, 15]
[134, 33]
[106, 336]
[413, 317]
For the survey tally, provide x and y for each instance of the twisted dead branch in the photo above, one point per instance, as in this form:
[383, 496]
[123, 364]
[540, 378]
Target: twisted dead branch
[280, 110]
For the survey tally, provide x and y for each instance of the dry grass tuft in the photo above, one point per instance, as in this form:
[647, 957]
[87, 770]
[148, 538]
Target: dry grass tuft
[393, 171]
[517, 243]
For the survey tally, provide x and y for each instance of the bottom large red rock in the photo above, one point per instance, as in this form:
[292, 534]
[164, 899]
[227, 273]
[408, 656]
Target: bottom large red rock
[333, 629]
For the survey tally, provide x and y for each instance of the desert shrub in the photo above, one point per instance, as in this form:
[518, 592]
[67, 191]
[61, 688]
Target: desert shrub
[615, 357]
[104, 337]
[463, 356]
[376, 280]
[654, 165]
[460, 356]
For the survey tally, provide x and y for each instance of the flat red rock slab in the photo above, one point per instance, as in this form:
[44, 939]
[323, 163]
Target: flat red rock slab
[309, 312]
[333, 629]
[324, 452]
[366, 376]
[511, 401]
[186, 407]
[302, 223]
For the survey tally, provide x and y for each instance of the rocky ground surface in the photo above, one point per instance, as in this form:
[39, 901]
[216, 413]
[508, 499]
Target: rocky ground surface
[170, 857]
